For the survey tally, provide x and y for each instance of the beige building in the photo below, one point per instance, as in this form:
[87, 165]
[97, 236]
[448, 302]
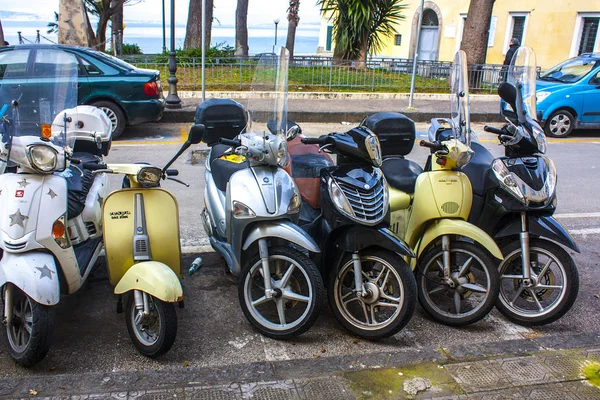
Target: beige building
[556, 30]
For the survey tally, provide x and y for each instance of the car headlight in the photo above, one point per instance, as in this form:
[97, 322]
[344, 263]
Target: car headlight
[507, 180]
[374, 149]
[282, 154]
[541, 95]
[295, 204]
[540, 137]
[339, 199]
[149, 177]
[42, 158]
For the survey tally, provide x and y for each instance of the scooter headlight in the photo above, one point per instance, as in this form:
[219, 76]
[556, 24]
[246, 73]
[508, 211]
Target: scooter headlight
[42, 158]
[507, 180]
[339, 199]
[295, 204]
[149, 177]
[240, 210]
[282, 154]
[374, 149]
[539, 136]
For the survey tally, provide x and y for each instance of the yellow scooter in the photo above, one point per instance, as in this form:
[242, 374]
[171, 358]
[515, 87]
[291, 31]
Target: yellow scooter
[142, 247]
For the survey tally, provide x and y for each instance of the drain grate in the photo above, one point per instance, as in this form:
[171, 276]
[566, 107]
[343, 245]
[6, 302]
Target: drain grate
[523, 371]
[476, 376]
[331, 388]
[553, 391]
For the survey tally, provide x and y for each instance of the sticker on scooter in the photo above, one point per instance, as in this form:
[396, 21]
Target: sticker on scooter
[20, 193]
[119, 214]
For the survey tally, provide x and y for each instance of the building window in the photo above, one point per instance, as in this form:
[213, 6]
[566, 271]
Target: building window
[398, 40]
[516, 28]
[589, 33]
[329, 38]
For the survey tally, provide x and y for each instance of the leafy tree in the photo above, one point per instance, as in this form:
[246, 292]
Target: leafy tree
[193, 32]
[361, 26]
[241, 28]
[293, 20]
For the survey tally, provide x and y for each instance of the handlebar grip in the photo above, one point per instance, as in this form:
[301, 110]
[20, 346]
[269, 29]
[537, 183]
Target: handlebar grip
[230, 142]
[93, 166]
[172, 172]
[3, 110]
[430, 145]
[493, 130]
[307, 140]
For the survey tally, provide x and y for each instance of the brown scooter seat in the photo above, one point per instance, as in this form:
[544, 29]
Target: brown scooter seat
[401, 173]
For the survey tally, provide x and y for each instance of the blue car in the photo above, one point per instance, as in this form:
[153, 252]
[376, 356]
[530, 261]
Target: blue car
[568, 96]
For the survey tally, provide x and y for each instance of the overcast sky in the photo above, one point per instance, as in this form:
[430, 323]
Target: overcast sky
[259, 11]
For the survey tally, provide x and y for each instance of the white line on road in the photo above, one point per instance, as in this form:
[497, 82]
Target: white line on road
[578, 215]
[588, 231]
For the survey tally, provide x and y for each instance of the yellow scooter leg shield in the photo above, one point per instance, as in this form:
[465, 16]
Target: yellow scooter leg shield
[462, 228]
[154, 278]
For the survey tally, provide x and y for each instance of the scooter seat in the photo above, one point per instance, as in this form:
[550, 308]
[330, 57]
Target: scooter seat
[217, 151]
[401, 173]
[223, 169]
[78, 185]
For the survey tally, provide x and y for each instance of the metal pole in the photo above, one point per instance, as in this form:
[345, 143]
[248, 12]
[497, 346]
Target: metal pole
[164, 28]
[415, 55]
[203, 50]
[276, 21]
[172, 100]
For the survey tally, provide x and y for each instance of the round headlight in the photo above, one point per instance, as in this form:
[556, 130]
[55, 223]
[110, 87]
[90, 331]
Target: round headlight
[149, 176]
[42, 158]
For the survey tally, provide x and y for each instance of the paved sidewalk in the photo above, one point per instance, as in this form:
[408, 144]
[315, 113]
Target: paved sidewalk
[350, 110]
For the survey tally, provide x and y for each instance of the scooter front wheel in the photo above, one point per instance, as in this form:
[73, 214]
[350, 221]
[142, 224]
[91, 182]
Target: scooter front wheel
[474, 288]
[389, 300]
[29, 336]
[553, 286]
[153, 334]
[298, 293]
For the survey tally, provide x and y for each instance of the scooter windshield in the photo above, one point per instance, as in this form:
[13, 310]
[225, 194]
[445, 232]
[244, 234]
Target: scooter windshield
[461, 123]
[37, 85]
[522, 75]
[271, 78]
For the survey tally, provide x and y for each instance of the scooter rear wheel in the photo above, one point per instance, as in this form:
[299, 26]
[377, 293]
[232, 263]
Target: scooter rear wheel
[298, 297]
[475, 278]
[154, 334]
[554, 286]
[29, 336]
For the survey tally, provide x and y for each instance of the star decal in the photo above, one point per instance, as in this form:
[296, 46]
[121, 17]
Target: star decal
[45, 272]
[18, 219]
[23, 183]
[51, 194]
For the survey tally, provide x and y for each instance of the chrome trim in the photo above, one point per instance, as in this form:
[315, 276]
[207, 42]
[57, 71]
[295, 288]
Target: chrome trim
[368, 205]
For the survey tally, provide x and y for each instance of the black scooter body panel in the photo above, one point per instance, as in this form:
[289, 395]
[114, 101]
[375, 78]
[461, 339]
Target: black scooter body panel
[542, 226]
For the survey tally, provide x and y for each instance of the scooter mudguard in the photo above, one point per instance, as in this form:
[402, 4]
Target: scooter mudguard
[34, 273]
[359, 237]
[458, 227]
[284, 230]
[544, 227]
[154, 278]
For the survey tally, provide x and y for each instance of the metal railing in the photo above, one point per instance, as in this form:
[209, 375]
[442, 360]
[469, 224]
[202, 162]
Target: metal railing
[317, 73]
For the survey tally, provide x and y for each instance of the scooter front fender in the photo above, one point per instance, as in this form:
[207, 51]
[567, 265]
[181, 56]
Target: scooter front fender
[544, 227]
[359, 237]
[284, 230]
[154, 278]
[34, 273]
[459, 227]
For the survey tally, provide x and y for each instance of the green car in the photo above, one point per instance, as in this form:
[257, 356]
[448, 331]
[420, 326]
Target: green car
[128, 95]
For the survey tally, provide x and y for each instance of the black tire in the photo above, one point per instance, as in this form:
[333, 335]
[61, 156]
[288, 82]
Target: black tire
[560, 124]
[557, 307]
[115, 114]
[387, 322]
[167, 330]
[37, 345]
[434, 300]
[251, 288]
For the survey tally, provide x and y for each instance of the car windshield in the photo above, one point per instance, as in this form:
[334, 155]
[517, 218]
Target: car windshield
[570, 71]
[114, 60]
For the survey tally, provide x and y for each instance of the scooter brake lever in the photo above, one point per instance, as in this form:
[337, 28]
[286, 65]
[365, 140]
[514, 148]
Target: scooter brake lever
[178, 181]
[99, 171]
[324, 147]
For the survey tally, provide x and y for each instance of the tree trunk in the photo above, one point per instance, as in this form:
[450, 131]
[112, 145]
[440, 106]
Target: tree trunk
[1, 35]
[73, 23]
[293, 20]
[476, 31]
[193, 32]
[241, 29]
[117, 30]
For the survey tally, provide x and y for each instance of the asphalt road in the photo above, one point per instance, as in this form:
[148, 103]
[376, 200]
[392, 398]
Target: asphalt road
[91, 337]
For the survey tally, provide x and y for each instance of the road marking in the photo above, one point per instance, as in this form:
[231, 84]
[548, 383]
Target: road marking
[274, 350]
[586, 231]
[578, 215]
[509, 330]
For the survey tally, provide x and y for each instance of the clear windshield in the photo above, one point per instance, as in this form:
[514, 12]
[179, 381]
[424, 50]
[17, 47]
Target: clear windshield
[570, 71]
[521, 74]
[36, 85]
[460, 99]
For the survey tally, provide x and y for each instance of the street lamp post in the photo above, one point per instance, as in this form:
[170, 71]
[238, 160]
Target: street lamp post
[172, 100]
[276, 21]
[415, 56]
[164, 28]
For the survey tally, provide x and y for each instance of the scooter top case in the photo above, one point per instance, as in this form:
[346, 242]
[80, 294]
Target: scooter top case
[140, 225]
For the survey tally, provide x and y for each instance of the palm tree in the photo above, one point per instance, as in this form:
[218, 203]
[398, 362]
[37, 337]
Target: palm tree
[241, 28]
[360, 26]
[193, 32]
[293, 20]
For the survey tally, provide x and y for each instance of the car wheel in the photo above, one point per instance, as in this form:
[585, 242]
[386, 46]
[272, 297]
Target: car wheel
[115, 114]
[560, 124]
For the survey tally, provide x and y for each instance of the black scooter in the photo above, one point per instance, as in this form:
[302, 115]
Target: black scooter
[371, 289]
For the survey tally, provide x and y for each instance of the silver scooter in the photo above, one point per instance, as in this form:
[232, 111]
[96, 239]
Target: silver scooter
[251, 209]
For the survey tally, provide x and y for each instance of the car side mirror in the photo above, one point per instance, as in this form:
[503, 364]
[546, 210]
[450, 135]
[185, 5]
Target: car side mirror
[196, 134]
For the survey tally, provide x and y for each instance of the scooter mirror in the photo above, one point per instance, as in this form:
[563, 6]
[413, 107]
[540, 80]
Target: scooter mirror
[196, 133]
[293, 131]
[508, 93]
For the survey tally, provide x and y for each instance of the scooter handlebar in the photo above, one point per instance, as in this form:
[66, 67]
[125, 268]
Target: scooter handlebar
[230, 142]
[307, 140]
[491, 129]
[93, 166]
[431, 145]
[172, 172]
